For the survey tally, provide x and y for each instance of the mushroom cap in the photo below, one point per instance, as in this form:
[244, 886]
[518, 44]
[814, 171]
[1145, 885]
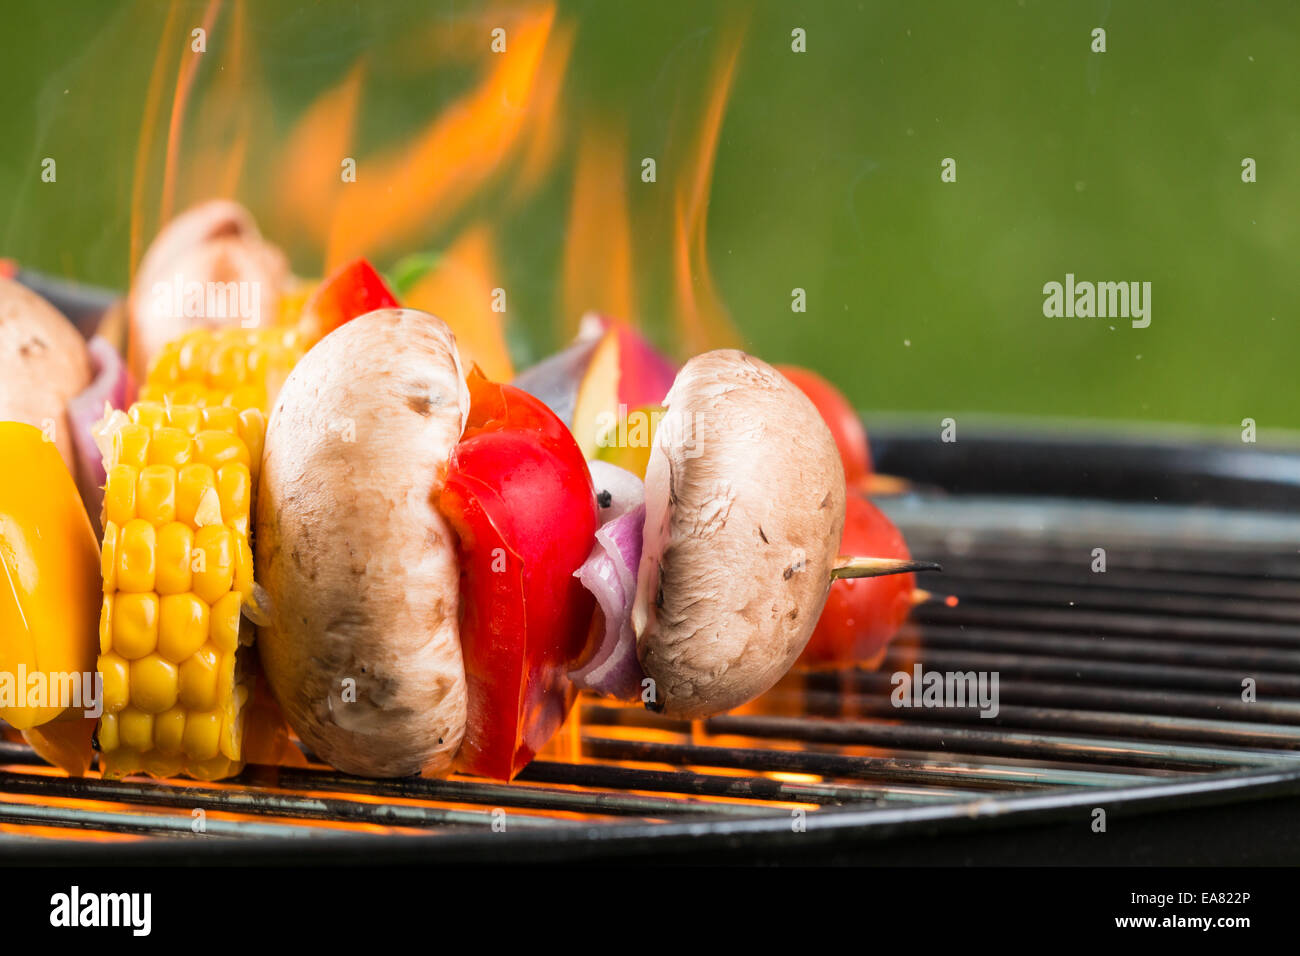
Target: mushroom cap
[214, 242]
[359, 565]
[43, 364]
[744, 513]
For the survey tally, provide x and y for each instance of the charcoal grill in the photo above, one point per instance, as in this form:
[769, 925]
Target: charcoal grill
[1119, 690]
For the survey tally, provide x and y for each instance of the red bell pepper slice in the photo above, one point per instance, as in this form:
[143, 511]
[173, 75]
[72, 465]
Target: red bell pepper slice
[353, 290]
[519, 495]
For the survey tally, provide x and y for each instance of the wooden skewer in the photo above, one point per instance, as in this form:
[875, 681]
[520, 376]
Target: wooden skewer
[859, 567]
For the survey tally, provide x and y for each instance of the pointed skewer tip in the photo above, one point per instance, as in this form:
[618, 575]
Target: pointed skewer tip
[860, 567]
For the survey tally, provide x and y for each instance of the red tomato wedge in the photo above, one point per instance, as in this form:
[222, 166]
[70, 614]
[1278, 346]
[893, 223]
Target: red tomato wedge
[519, 495]
[840, 417]
[352, 291]
[497, 407]
[862, 615]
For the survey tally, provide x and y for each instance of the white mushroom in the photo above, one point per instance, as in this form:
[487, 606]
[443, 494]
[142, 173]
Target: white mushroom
[213, 244]
[744, 512]
[363, 648]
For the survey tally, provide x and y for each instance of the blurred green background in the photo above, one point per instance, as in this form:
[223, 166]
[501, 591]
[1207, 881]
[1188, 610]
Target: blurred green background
[921, 295]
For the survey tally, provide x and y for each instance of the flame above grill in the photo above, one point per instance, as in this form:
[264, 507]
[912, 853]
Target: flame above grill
[457, 182]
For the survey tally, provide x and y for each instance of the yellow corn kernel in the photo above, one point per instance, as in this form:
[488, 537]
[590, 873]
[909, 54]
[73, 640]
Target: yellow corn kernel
[188, 418]
[223, 626]
[252, 432]
[193, 482]
[202, 735]
[225, 678]
[247, 396]
[166, 371]
[188, 394]
[119, 494]
[198, 680]
[175, 552]
[258, 360]
[243, 580]
[108, 558]
[117, 682]
[106, 625]
[221, 418]
[183, 627]
[135, 728]
[156, 764]
[235, 491]
[107, 733]
[154, 684]
[150, 415]
[135, 624]
[169, 731]
[193, 355]
[169, 446]
[232, 725]
[214, 562]
[216, 448]
[228, 368]
[137, 551]
[131, 445]
[155, 499]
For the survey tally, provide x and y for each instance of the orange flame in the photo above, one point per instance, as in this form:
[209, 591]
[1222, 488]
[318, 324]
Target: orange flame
[222, 129]
[149, 123]
[401, 194]
[544, 128]
[206, 145]
[306, 202]
[598, 251]
[184, 83]
[703, 319]
[462, 291]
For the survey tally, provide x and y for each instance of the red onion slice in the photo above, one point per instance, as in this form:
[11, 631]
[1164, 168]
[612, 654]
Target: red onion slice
[614, 670]
[107, 390]
[610, 574]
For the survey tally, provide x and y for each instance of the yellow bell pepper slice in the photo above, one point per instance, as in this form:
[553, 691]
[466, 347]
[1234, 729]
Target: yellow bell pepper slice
[50, 592]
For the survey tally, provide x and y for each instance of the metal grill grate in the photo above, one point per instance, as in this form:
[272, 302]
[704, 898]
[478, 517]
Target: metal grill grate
[1121, 688]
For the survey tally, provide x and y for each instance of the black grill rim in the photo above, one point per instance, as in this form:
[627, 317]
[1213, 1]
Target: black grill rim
[844, 830]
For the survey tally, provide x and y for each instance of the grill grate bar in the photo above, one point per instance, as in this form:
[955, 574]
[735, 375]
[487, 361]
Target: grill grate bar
[1003, 570]
[1275, 737]
[253, 793]
[1137, 700]
[1028, 746]
[1111, 599]
[1246, 659]
[253, 801]
[1250, 564]
[93, 819]
[496, 794]
[1070, 670]
[762, 788]
[918, 770]
[1077, 620]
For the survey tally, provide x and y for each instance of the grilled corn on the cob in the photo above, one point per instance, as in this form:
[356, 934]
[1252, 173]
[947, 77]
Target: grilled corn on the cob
[176, 566]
